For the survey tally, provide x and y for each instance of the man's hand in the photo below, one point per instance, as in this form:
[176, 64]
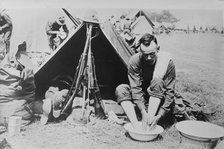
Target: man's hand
[145, 119]
[153, 121]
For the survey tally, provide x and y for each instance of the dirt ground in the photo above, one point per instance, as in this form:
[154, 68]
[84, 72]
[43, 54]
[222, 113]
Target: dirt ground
[199, 77]
[97, 134]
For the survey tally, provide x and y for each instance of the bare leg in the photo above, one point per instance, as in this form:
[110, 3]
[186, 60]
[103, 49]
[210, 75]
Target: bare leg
[130, 112]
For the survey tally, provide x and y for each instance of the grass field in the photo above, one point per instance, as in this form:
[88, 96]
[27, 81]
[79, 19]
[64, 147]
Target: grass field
[200, 67]
[199, 64]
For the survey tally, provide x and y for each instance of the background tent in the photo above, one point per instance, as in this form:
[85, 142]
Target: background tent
[141, 23]
[141, 26]
[110, 62]
[136, 14]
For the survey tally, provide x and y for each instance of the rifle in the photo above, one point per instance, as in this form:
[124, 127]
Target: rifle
[85, 75]
[79, 75]
[93, 87]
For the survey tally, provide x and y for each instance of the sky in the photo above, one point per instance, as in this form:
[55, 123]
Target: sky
[35, 13]
[202, 4]
[144, 4]
[201, 17]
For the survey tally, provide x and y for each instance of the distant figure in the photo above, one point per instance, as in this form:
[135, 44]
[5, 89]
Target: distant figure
[118, 26]
[188, 30]
[5, 33]
[194, 30]
[112, 20]
[126, 30]
[57, 32]
[127, 24]
[122, 20]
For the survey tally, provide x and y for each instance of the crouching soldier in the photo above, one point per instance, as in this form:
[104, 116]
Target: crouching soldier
[152, 76]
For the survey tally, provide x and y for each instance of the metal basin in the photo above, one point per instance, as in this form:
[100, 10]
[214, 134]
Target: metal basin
[143, 135]
[199, 130]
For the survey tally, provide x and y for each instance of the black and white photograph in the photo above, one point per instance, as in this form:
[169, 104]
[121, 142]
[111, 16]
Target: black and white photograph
[82, 74]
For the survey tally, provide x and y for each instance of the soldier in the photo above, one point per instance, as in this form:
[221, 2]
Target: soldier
[5, 33]
[152, 76]
[57, 31]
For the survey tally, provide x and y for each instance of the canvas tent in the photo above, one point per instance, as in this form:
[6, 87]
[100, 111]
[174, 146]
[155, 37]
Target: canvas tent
[141, 26]
[111, 56]
[136, 14]
[142, 23]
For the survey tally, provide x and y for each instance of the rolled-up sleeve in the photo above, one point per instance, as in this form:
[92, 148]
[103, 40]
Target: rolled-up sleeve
[164, 88]
[135, 80]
